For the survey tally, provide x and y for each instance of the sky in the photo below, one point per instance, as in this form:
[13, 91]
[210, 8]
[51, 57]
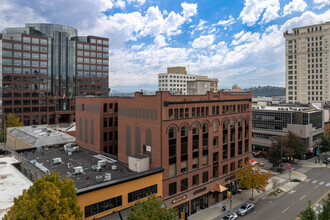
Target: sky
[237, 41]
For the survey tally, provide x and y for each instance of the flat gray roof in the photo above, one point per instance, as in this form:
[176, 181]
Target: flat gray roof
[41, 135]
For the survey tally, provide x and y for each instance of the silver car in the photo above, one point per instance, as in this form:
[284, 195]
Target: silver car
[231, 216]
[245, 209]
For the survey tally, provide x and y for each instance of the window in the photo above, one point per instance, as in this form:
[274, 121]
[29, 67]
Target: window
[232, 166]
[216, 141]
[184, 184]
[195, 180]
[103, 206]
[225, 169]
[172, 188]
[215, 126]
[205, 177]
[142, 193]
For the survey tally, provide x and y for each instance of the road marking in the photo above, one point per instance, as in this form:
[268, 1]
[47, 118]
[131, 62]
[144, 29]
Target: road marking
[314, 181]
[302, 197]
[308, 180]
[321, 183]
[285, 209]
[317, 201]
[328, 184]
[316, 186]
[292, 191]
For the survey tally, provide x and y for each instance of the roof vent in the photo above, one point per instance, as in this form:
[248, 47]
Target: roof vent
[101, 163]
[114, 167]
[78, 170]
[107, 176]
[69, 153]
[99, 179]
[96, 168]
[57, 160]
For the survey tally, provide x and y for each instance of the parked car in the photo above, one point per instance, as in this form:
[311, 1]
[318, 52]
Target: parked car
[246, 208]
[253, 162]
[231, 216]
[259, 154]
[328, 159]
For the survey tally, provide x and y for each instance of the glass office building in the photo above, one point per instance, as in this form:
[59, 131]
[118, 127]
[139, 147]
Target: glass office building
[45, 66]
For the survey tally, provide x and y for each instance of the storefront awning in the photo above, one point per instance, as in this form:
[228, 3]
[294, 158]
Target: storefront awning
[218, 188]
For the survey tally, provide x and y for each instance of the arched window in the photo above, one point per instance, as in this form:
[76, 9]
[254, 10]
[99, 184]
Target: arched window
[240, 135]
[205, 143]
[172, 134]
[225, 139]
[184, 149]
[232, 138]
[195, 141]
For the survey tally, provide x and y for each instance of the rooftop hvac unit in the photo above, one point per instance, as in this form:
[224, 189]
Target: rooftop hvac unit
[57, 160]
[69, 153]
[96, 168]
[99, 179]
[33, 162]
[78, 170]
[107, 176]
[76, 148]
[101, 163]
[114, 167]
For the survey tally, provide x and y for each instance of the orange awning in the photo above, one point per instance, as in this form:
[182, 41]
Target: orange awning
[218, 188]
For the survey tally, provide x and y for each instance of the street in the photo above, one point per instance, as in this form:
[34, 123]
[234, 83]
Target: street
[292, 203]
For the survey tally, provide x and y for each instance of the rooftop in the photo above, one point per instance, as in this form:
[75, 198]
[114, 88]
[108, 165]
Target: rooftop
[88, 170]
[12, 183]
[40, 135]
[284, 108]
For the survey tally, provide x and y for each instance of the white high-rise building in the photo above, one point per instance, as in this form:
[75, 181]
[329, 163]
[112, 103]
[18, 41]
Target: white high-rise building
[176, 78]
[307, 65]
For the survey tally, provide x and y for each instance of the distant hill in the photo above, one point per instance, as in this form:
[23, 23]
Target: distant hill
[267, 91]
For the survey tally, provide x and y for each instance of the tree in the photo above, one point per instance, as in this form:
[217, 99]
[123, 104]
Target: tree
[251, 178]
[48, 198]
[291, 144]
[151, 209]
[11, 121]
[308, 213]
[325, 144]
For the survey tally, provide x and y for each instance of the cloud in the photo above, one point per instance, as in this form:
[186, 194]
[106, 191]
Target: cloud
[254, 8]
[189, 10]
[243, 37]
[159, 41]
[228, 22]
[321, 3]
[305, 19]
[295, 5]
[203, 41]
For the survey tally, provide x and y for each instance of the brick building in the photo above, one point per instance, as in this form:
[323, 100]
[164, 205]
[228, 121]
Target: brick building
[199, 141]
[45, 66]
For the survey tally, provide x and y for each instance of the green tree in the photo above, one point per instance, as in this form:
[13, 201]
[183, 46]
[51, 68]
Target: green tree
[291, 144]
[308, 213]
[48, 198]
[325, 144]
[11, 121]
[325, 214]
[251, 178]
[151, 209]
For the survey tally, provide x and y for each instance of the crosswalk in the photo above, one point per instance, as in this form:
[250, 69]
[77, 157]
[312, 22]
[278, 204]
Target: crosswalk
[318, 183]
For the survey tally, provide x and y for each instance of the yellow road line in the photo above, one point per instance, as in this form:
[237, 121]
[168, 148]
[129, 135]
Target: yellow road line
[317, 201]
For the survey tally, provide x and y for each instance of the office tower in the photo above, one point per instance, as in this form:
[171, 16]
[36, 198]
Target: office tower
[176, 80]
[307, 58]
[45, 66]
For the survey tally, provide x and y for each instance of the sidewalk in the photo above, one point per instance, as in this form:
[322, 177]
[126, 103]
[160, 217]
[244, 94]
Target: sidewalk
[215, 211]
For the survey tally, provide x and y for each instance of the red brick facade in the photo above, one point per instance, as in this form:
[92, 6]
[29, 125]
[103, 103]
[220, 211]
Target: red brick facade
[188, 136]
